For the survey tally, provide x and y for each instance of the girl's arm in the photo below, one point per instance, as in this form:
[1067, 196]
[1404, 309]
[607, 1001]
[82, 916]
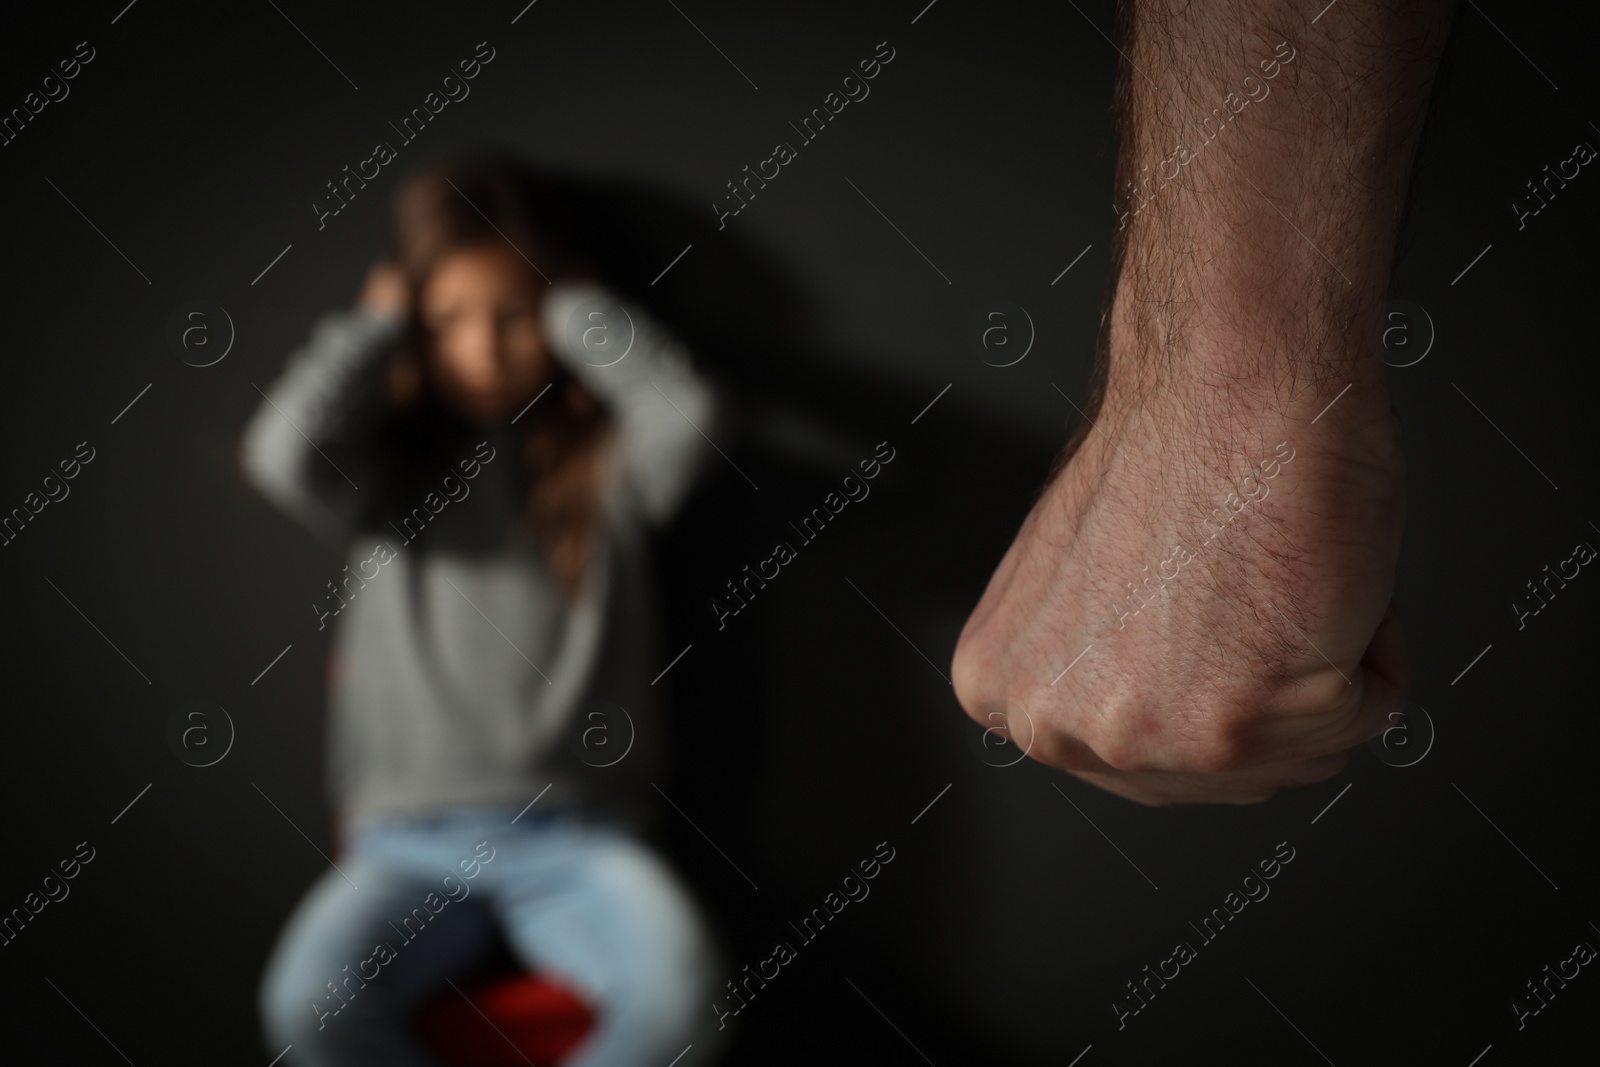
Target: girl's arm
[300, 448]
[643, 375]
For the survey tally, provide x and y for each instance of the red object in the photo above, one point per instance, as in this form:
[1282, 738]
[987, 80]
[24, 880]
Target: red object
[507, 1018]
[533, 1018]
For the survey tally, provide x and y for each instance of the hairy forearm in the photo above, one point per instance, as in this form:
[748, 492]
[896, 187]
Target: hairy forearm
[1263, 169]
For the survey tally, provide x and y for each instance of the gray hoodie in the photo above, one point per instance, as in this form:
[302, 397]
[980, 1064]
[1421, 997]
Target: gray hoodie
[459, 675]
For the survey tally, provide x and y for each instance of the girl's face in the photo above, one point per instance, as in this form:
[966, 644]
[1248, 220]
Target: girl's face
[480, 310]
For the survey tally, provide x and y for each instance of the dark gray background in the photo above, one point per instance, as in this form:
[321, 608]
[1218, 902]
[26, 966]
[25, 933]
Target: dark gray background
[809, 730]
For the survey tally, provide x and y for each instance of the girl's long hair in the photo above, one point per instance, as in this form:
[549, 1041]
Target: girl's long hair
[475, 201]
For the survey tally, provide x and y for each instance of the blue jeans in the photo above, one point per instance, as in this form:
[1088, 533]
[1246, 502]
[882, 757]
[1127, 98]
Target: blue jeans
[419, 901]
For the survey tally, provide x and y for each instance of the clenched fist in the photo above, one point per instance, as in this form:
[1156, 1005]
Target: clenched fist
[1198, 606]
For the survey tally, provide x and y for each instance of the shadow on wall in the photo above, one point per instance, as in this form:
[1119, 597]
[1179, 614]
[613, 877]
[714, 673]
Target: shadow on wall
[812, 710]
[747, 328]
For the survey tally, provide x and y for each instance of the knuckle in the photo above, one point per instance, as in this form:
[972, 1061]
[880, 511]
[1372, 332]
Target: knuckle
[1122, 750]
[1215, 740]
[1057, 748]
[1325, 691]
[1209, 736]
[968, 677]
[1215, 753]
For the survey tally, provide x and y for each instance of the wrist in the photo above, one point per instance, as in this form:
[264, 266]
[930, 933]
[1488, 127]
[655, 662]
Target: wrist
[1216, 335]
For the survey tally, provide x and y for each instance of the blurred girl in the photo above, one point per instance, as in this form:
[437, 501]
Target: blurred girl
[485, 433]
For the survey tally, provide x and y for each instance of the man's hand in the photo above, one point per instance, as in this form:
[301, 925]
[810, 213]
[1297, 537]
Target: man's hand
[1198, 607]
[1218, 583]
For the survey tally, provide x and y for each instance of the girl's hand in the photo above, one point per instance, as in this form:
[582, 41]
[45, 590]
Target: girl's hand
[384, 290]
